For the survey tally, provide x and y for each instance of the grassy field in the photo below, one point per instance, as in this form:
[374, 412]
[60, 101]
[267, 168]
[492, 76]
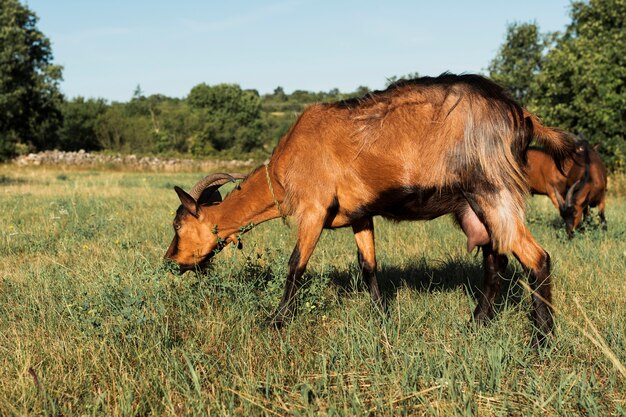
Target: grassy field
[91, 323]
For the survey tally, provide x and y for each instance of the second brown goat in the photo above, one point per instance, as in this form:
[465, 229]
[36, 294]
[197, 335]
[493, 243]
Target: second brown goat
[418, 150]
[574, 189]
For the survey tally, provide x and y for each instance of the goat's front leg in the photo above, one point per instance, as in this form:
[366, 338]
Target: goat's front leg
[308, 235]
[364, 236]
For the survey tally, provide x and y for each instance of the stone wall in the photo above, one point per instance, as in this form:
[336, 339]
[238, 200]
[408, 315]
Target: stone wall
[87, 159]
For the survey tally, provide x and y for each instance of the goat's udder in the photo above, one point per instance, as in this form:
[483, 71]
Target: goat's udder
[474, 229]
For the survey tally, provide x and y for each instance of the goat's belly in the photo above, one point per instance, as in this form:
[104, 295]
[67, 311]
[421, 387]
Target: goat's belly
[405, 213]
[406, 203]
[347, 219]
[422, 205]
[341, 220]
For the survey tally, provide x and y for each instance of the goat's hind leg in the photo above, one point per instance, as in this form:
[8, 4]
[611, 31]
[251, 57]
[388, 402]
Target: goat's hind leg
[503, 214]
[537, 262]
[494, 265]
[364, 236]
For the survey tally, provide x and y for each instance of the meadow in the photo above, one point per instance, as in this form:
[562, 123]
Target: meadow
[93, 323]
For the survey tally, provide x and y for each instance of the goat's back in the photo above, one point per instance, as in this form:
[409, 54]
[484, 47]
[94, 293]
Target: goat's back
[434, 133]
[543, 174]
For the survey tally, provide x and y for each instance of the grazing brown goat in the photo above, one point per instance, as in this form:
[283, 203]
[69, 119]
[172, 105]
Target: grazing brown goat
[582, 183]
[416, 151]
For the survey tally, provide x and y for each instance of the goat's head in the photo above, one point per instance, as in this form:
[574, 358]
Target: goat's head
[195, 236]
[570, 209]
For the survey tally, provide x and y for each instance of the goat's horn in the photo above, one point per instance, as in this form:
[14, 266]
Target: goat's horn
[237, 176]
[210, 183]
[569, 198]
[559, 198]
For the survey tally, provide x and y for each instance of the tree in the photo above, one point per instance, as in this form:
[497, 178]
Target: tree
[360, 91]
[29, 82]
[394, 78]
[118, 131]
[233, 117]
[80, 119]
[519, 60]
[279, 94]
[582, 84]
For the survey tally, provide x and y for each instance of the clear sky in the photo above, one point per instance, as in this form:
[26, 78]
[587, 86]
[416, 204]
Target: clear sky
[109, 47]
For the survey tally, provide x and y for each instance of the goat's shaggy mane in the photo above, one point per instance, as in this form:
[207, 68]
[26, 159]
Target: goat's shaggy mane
[474, 82]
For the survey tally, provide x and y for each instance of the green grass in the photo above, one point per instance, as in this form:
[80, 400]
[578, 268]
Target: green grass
[91, 322]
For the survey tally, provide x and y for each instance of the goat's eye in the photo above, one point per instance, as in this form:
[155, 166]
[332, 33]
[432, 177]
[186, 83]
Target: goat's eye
[176, 226]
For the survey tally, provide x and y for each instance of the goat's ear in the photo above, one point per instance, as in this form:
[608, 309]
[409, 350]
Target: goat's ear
[187, 201]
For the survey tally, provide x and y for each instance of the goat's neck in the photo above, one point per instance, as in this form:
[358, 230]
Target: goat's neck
[251, 204]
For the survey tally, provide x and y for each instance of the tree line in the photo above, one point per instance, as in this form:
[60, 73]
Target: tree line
[212, 120]
[573, 80]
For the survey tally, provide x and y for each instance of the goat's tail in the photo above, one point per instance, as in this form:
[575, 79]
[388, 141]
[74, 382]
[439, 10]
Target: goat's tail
[559, 143]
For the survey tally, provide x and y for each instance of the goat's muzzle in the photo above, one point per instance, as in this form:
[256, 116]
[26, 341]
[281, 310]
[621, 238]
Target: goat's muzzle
[172, 263]
[172, 266]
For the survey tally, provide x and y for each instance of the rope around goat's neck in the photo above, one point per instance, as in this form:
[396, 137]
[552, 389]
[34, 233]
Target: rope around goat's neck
[269, 183]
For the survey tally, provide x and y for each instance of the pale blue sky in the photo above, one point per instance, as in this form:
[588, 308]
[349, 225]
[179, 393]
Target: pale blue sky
[167, 47]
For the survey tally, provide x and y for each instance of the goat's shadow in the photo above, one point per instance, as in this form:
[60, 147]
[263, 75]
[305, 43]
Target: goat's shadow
[428, 276]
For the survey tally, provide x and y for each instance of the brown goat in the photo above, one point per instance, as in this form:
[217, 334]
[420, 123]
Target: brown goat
[416, 151]
[583, 183]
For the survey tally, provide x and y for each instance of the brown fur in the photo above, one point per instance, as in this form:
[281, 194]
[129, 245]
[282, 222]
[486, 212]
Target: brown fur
[418, 150]
[586, 178]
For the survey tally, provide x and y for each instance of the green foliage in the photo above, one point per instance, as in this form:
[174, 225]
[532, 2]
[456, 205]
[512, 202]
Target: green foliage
[279, 102]
[118, 130]
[175, 126]
[277, 124]
[575, 80]
[226, 100]
[232, 117]
[396, 78]
[519, 59]
[29, 93]
[79, 129]
[582, 84]
[221, 120]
